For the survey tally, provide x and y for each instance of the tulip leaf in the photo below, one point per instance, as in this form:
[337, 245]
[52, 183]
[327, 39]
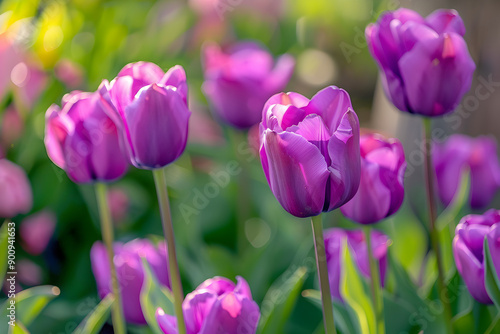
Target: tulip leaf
[452, 211]
[28, 304]
[280, 299]
[464, 323]
[19, 328]
[352, 290]
[153, 296]
[3, 250]
[491, 279]
[341, 316]
[94, 321]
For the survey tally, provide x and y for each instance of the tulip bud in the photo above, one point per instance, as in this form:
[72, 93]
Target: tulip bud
[150, 109]
[239, 81]
[82, 139]
[381, 191]
[336, 237]
[416, 56]
[468, 250]
[129, 271]
[36, 231]
[15, 190]
[310, 150]
[218, 304]
[461, 152]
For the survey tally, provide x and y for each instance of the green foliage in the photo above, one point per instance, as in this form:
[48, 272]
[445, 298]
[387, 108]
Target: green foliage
[94, 321]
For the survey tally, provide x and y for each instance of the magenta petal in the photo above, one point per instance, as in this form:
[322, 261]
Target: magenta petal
[437, 73]
[331, 103]
[167, 322]
[158, 123]
[471, 270]
[142, 73]
[284, 99]
[217, 285]
[372, 201]
[281, 74]
[196, 308]
[314, 130]
[446, 20]
[296, 172]
[100, 268]
[56, 131]
[493, 237]
[242, 288]
[345, 167]
[232, 314]
[176, 77]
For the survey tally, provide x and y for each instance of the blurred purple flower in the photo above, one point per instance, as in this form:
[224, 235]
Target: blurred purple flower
[119, 203]
[461, 152]
[381, 190]
[12, 127]
[240, 79]
[149, 107]
[81, 139]
[69, 72]
[310, 150]
[426, 66]
[29, 81]
[130, 272]
[355, 239]
[36, 231]
[216, 306]
[468, 249]
[29, 273]
[15, 190]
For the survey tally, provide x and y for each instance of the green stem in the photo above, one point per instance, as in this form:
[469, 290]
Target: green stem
[434, 234]
[378, 301]
[168, 230]
[119, 325]
[243, 201]
[326, 297]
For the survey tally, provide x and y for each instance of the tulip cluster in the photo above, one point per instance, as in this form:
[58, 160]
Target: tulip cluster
[130, 272]
[479, 156]
[426, 66]
[310, 150]
[335, 238]
[381, 191]
[468, 249]
[216, 306]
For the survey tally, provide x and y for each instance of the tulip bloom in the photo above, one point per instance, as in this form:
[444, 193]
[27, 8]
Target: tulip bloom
[216, 306]
[479, 155]
[381, 191]
[469, 253]
[36, 231]
[240, 79]
[81, 139]
[310, 150]
[425, 64]
[15, 190]
[335, 238]
[130, 272]
[149, 108]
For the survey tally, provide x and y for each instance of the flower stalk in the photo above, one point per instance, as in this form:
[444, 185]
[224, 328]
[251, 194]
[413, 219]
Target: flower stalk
[377, 297]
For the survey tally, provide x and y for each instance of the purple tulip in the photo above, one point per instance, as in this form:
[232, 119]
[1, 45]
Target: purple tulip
[461, 152]
[426, 66]
[81, 139]
[36, 231]
[381, 191]
[216, 306]
[239, 81]
[335, 238]
[468, 249]
[15, 190]
[149, 107]
[310, 150]
[130, 272]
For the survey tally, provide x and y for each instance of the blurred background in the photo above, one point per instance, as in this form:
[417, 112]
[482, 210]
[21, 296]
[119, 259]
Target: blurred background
[48, 48]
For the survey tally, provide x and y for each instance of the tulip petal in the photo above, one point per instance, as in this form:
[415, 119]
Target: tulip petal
[296, 172]
[345, 167]
[217, 285]
[437, 74]
[485, 172]
[56, 131]
[284, 99]
[281, 74]
[372, 201]
[176, 77]
[196, 308]
[446, 20]
[242, 288]
[232, 314]
[331, 103]
[167, 322]
[471, 270]
[158, 123]
[143, 74]
[314, 130]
